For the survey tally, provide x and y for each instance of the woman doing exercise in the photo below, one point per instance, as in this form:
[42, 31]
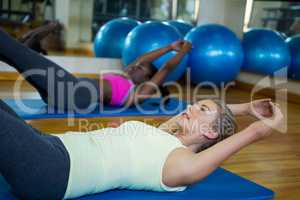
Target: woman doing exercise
[133, 156]
[62, 90]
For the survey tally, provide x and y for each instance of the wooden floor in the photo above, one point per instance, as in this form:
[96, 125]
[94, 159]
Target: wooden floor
[274, 162]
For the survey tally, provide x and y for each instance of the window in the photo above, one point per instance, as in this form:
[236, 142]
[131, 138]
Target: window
[283, 16]
[156, 10]
[143, 10]
[122, 7]
[186, 10]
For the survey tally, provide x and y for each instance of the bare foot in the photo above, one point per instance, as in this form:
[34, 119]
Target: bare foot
[33, 38]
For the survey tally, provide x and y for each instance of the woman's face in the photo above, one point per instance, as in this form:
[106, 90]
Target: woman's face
[139, 73]
[198, 119]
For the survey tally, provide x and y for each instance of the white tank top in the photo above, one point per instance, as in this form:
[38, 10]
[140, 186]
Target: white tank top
[131, 156]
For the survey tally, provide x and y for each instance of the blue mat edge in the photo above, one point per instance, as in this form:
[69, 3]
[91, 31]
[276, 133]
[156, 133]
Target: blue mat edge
[130, 112]
[270, 194]
[59, 116]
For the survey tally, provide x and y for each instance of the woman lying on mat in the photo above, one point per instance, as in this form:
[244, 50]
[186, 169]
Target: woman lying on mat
[60, 89]
[134, 155]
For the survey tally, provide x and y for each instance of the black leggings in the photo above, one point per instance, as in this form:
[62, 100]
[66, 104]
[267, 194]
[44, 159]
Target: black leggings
[36, 166]
[57, 87]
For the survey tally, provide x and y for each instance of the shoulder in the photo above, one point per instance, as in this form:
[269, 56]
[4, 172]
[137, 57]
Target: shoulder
[122, 74]
[176, 170]
[136, 124]
[135, 63]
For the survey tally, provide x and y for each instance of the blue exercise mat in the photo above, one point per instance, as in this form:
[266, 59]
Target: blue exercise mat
[220, 185]
[37, 109]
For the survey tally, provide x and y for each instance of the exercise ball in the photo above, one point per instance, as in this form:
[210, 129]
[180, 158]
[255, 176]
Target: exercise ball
[216, 55]
[151, 36]
[150, 21]
[294, 46]
[283, 35]
[181, 26]
[265, 52]
[109, 41]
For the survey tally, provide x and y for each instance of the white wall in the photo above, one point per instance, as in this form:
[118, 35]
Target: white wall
[227, 12]
[86, 13]
[76, 15]
[62, 11]
[211, 11]
[234, 15]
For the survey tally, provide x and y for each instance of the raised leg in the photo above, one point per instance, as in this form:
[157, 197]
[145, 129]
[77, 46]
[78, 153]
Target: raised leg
[57, 87]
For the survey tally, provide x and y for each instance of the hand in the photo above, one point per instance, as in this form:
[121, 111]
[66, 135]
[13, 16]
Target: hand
[263, 128]
[186, 47]
[261, 108]
[177, 46]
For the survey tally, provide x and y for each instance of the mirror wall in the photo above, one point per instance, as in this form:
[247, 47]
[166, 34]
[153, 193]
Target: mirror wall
[283, 16]
[143, 10]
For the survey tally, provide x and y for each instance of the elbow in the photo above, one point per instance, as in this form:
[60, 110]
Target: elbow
[191, 176]
[192, 179]
[196, 174]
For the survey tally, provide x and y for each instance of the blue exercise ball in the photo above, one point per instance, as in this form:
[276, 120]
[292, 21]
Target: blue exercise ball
[109, 41]
[265, 52]
[181, 26]
[294, 45]
[283, 35]
[150, 21]
[216, 56]
[148, 37]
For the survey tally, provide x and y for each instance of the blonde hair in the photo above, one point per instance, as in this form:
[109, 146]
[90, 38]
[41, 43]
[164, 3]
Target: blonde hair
[225, 125]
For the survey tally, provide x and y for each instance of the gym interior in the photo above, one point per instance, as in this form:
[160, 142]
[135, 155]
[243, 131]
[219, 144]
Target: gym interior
[240, 52]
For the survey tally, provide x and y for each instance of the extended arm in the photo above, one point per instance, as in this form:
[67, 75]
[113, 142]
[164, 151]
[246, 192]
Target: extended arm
[239, 109]
[153, 55]
[191, 168]
[186, 167]
[254, 108]
[205, 162]
[194, 167]
[148, 89]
